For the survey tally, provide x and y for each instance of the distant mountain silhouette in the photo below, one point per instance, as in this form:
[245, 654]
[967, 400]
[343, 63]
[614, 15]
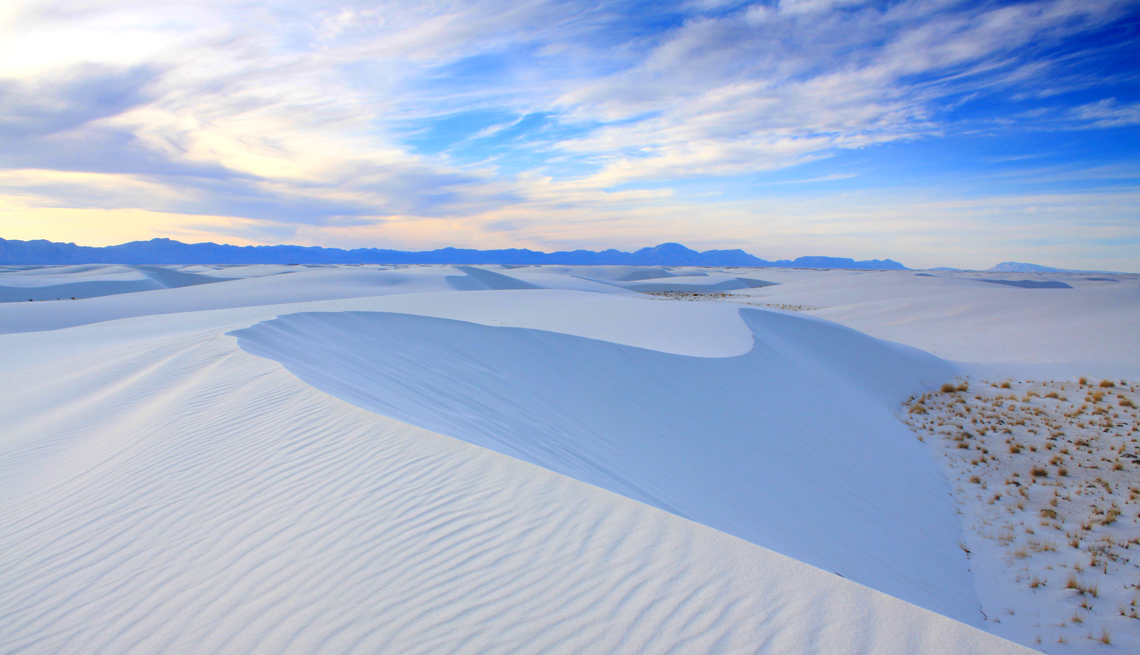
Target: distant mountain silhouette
[167, 251]
[1018, 267]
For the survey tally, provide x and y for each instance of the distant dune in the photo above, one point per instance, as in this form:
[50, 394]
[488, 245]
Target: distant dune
[565, 459]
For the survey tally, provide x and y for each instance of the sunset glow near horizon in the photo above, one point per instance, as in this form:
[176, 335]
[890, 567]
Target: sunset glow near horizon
[932, 132]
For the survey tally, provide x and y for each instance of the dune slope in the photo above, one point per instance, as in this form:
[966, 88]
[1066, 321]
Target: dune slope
[187, 497]
[793, 446]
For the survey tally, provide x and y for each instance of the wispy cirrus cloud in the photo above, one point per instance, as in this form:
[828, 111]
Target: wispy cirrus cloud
[520, 114]
[769, 85]
[1108, 113]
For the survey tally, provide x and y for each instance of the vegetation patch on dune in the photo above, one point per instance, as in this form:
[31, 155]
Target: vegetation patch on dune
[1048, 477]
[727, 297]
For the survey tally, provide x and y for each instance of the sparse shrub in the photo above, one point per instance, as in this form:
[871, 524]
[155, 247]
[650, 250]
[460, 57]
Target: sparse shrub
[1039, 472]
[965, 386]
[1014, 448]
[1082, 588]
[1048, 513]
[1110, 515]
[1107, 384]
[948, 388]
[1005, 385]
[1083, 381]
[975, 479]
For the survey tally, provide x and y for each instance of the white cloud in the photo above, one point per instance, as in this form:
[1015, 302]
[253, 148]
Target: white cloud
[766, 87]
[1108, 113]
[814, 6]
[297, 111]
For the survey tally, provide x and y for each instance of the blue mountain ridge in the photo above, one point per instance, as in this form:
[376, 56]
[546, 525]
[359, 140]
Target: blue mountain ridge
[168, 251]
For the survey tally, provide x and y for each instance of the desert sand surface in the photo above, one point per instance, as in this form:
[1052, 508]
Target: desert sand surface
[342, 459]
[1046, 472]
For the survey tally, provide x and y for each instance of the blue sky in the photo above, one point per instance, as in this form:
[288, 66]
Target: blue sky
[934, 132]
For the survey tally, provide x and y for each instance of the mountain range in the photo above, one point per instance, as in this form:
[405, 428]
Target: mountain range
[167, 251]
[1019, 267]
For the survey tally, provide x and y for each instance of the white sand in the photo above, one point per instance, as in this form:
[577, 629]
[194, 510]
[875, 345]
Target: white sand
[705, 438]
[164, 490]
[1048, 476]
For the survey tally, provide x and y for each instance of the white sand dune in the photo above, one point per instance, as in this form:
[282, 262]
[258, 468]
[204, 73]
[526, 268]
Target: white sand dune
[495, 481]
[680, 283]
[958, 317]
[793, 445]
[190, 498]
[92, 281]
[305, 284]
[479, 279]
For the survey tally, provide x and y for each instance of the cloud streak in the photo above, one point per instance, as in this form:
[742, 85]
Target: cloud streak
[314, 117]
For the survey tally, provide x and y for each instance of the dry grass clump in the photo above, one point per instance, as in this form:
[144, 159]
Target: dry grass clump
[1107, 384]
[1111, 515]
[1082, 588]
[1070, 467]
